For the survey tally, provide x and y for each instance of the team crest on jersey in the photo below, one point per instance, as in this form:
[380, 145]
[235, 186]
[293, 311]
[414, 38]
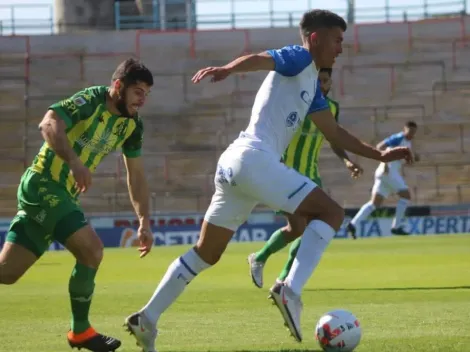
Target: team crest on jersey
[120, 129]
[292, 119]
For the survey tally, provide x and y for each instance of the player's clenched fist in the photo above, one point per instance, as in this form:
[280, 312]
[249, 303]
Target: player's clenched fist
[216, 73]
[397, 153]
[81, 174]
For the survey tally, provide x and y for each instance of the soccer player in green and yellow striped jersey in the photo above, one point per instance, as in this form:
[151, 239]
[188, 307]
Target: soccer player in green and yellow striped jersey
[78, 133]
[302, 154]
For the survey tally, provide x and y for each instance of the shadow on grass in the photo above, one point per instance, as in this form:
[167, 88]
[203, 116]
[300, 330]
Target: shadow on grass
[393, 288]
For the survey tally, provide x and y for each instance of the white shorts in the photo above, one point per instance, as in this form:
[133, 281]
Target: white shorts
[246, 177]
[389, 183]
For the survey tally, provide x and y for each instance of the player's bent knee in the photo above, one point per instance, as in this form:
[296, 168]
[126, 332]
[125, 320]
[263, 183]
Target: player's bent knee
[295, 227]
[210, 252]
[94, 258]
[319, 206]
[86, 247]
[336, 217]
[6, 277]
[332, 214]
[290, 233]
[210, 257]
[212, 242]
[15, 260]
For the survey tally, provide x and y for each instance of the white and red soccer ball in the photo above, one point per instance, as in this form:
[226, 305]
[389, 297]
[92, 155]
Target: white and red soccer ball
[338, 331]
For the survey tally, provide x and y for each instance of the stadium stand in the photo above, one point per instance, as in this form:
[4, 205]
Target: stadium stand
[388, 74]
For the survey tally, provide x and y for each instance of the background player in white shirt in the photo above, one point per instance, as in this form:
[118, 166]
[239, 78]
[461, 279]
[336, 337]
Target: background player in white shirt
[250, 171]
[389, 179]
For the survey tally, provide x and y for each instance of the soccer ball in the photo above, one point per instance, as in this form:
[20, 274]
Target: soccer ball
[338, 331]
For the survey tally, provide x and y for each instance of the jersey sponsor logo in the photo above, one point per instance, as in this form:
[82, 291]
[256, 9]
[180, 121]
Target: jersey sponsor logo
[305, 96]
[292, 119]
[103, 142]
[79, 101]
[69, 105]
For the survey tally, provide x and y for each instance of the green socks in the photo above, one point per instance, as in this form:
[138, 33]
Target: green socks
[292, 253]
[81, 287]
[275, 243]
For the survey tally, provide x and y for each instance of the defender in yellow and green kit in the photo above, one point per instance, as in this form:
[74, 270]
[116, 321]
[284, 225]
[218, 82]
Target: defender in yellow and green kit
[302, 155]
[79, 132]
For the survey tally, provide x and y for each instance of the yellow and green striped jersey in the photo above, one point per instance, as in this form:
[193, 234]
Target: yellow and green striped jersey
[304, 149]
[92, 131]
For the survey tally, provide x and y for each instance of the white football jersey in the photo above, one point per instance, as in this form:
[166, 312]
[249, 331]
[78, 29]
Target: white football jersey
[286, 96]
[395, 140]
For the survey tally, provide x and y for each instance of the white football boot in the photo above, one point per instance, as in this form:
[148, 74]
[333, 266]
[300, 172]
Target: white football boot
[145, 334]
[256, 270]
[290, 306]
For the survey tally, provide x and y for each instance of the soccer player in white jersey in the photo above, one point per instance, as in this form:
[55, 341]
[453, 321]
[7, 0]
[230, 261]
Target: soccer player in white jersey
[389, 179]
[250, 170]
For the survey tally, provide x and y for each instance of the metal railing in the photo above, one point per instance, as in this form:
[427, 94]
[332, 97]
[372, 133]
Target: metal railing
[26, 19]
[231, 14]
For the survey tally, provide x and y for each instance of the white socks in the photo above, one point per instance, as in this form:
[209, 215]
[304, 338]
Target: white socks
[179, 274]
[363, 213]
[316, 237]
[368, 208]
[400, 212]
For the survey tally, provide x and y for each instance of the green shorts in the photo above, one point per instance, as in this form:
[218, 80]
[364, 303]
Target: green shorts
[46, 213]
[319, 184]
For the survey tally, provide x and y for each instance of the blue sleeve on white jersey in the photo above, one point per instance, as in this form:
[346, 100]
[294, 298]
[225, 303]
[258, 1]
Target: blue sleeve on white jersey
[319, 103]
[290, 60]
[394, 140]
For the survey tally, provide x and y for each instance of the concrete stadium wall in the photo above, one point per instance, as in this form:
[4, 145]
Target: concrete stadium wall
[381, 36]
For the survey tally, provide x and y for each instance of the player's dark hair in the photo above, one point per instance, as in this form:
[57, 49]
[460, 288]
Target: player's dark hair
[411, 124]
[327, 70]
[314, 20]
[132, 71]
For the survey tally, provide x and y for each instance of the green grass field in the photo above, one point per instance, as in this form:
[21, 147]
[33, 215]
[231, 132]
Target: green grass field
[410, 294]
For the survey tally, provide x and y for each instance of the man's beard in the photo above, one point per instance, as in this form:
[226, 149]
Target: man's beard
[121, 104]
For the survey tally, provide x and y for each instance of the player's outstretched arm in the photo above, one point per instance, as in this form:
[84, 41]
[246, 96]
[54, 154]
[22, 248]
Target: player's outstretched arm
[393, 141]
[382, 145]
[340, 137]
[288, 61]
[246, 63]
[139, 195]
